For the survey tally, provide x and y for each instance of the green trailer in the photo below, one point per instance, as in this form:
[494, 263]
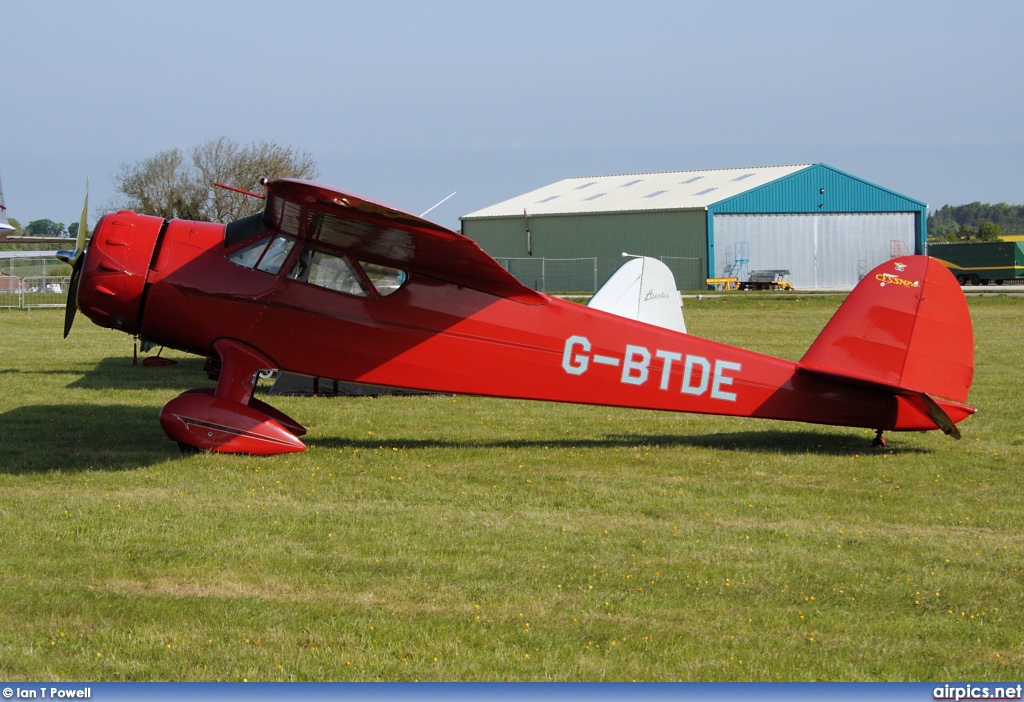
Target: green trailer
[982, 263]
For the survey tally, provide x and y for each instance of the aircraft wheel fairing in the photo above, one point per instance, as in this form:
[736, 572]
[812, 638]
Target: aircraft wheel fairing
[269, 410]
[211, 423]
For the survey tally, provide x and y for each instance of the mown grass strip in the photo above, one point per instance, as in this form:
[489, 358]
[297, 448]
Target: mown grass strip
[456, 538]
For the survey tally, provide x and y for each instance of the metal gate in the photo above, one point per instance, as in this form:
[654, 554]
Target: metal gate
[44, 291]
[10, 292]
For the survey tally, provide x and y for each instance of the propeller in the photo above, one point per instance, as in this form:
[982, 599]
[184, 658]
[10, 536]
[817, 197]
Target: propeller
[76, 258]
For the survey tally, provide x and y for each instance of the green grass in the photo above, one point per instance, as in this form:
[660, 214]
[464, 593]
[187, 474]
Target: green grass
[457, 538]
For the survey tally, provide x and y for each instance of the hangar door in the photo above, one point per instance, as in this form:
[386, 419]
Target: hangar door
[819, 250]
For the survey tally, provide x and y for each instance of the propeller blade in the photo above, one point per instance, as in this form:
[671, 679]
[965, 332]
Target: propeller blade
[76, 258]
[71, 306]
[82, 226]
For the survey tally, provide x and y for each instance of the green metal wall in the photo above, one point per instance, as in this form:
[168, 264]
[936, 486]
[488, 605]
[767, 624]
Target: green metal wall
[680, 234]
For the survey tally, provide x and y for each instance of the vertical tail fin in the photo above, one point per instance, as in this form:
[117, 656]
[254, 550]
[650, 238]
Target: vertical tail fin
[643, 289]
[905, 325]
[4, 225]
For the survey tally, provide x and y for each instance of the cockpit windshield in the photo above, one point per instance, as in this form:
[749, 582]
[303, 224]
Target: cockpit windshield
[276, 253]
[264, 257]
[248, 255]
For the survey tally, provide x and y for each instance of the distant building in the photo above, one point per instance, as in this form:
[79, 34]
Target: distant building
[9, 283]
[827, 227]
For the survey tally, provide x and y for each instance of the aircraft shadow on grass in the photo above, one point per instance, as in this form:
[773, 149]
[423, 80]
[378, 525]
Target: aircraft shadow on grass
[120, 373]
[77, 437]
[780, 442]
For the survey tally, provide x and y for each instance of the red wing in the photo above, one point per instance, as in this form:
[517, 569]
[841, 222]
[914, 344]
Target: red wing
[378, 233]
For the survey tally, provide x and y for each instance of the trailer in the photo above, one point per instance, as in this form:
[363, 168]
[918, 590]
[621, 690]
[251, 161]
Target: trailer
[981, 263]
[767, 280]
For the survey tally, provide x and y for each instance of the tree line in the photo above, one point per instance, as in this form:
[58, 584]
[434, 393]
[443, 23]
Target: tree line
[975, 222]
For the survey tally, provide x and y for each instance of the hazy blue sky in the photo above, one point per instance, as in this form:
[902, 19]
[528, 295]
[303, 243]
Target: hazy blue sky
[404, 102]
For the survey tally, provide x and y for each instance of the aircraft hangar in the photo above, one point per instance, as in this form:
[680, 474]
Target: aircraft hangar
[826, 227]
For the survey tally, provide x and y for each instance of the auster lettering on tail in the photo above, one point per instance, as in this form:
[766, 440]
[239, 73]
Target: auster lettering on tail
[699, 374]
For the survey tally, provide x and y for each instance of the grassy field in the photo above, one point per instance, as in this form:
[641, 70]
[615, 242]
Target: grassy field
[458, 538]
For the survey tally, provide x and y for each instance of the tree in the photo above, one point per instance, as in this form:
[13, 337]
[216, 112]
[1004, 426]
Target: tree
[169, 186]
[988, 231]
[161, 185]
[222, 161]
[44, 227]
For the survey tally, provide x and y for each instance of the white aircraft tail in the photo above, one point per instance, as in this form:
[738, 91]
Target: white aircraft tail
[4, 224]
[643, 289]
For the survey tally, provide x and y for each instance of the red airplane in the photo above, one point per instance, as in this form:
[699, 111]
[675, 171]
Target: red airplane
[326, 284]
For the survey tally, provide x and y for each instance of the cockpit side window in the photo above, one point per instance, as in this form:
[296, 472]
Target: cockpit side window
[385, 279]
[327, 270]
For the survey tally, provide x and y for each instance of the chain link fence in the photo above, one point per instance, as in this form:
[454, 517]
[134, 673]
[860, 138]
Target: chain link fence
[689, 273]
[554, 275]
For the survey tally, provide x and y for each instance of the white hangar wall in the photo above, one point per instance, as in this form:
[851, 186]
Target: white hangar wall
[819, 250]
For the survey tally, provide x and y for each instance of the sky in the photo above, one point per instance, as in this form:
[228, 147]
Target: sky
[405, 102]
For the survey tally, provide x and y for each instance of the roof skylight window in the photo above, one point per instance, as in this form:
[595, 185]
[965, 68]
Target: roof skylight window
[594, 197]
[656, 193]
[548, 199]
[691, 180]
[632, 182]
[585, 185]
[743, 177]
[706, 191]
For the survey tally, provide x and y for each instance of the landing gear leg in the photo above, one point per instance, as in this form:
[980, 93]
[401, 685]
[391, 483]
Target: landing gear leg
[879, 441]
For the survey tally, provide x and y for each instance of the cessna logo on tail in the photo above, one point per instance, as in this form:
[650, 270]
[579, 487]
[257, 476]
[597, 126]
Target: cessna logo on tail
[699, 374]
[890, 279]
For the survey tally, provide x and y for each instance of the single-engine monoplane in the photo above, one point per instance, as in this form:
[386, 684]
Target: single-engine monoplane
[327, 284]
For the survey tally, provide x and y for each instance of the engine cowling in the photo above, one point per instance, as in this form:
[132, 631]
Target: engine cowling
[113, 277]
